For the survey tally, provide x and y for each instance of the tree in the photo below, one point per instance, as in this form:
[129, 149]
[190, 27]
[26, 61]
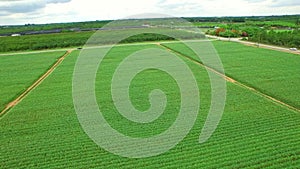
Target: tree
[220, 30]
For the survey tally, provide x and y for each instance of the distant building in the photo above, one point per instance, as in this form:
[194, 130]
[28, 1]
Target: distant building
[16, 34]
[146, 25]
[293, 49]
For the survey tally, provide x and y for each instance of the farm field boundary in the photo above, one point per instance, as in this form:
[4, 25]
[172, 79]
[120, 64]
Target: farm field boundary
[94, 47]
[34, 85]
[254, 44]
[234, 81]
[34, 52]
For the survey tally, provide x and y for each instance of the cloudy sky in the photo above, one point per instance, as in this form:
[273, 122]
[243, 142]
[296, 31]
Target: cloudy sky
[14, 12]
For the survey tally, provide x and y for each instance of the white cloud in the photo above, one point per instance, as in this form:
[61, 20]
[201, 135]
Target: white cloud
[26, 6]
[283, 3]
[49, 11]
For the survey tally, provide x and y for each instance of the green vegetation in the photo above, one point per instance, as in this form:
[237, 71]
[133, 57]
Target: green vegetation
[64, 27]
[43, 130]
[287, 21]
[280, 31]
[71, 39]
[279, 38]
[272, 72]
[18, 72]
[274, 24]
[276, 30]
[146, 37]
[45, 41]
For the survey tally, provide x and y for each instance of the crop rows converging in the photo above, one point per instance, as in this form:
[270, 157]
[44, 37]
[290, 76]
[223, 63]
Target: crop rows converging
[43, 131]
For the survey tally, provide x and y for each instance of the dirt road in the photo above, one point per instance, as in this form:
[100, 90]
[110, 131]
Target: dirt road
[254, 44]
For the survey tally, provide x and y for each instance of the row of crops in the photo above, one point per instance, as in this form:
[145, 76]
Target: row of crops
[271, 72]
[43, 130]
[18, 72]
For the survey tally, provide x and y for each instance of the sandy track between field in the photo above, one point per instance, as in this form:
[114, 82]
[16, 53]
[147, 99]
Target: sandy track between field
[254, 44]
[35, 84]
[231, 80]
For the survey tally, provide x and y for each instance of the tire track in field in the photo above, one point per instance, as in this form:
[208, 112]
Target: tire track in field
[34, 85]
[231, 80]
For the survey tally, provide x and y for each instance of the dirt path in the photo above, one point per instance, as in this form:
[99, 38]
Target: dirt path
[231, 80]
[253, 44]
[35, 84]
[36, 52]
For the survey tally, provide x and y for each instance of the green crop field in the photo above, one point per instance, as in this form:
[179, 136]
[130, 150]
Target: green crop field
[43, 131]
[18, 72]
[271, 72]
[76, 39]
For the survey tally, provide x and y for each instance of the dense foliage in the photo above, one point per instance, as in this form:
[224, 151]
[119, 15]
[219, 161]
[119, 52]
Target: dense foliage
[54, 26]
[276, 30]
[46, 41]
[146, 37]
[286, 21]
[280, 38]
[281, 31]
[77, 39]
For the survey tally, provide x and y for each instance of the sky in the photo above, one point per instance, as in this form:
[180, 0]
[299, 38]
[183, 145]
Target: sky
[19, 12]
